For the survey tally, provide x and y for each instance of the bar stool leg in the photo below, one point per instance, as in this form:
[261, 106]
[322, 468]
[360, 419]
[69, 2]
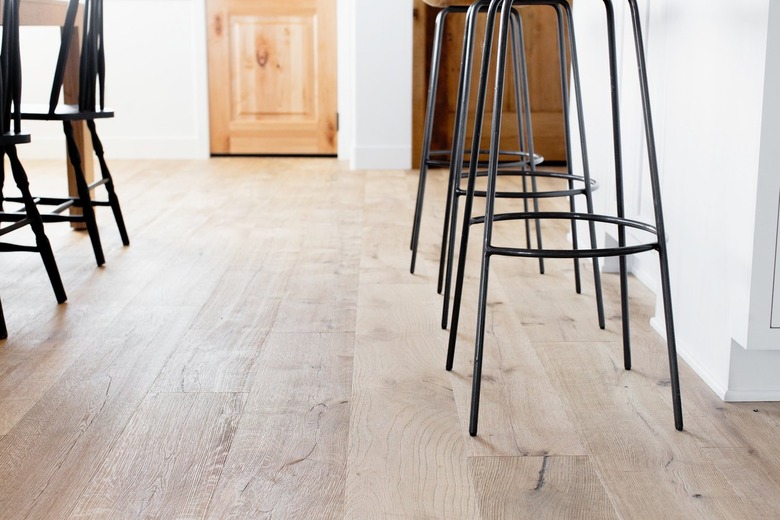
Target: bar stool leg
[456, 191]
[619, 189]
[427, 132]
[456, 168]
[471, 181]
[563, 11]
[458, 143]
[495, 134]
[524, 126]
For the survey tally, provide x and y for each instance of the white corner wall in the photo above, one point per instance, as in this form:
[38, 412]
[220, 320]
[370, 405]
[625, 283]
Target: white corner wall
[381, 63]
[706, 63]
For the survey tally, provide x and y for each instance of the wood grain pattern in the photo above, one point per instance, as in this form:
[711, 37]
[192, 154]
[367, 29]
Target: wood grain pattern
[540, 487]
[261, 351]
[151, 471]
[401, 398]
[289, 454]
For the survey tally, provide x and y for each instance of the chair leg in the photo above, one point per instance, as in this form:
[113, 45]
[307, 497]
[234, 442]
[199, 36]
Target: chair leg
[659, 217]
[525, 126]
[490, 196]
[42, 241]
[471, 183]
[575, 76]
[427, 132]
[2, 179]
[619, 185]
[456, 162]
[113, 200]
[3, 328]
[83, 192]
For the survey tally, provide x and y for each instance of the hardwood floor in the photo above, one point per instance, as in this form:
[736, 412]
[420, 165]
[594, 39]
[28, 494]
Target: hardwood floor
[261, 351]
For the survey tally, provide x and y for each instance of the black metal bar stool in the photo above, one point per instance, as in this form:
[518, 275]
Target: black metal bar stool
[656, 236]
[10, 122]
[473, 165]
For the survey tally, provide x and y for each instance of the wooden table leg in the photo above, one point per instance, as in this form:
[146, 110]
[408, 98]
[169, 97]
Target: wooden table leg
[80, 131]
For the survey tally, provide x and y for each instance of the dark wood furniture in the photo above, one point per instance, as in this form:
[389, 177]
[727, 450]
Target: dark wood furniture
[10, 122]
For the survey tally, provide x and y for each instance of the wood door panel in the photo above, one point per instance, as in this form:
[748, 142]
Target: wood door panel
[272, 76]
[273, 67]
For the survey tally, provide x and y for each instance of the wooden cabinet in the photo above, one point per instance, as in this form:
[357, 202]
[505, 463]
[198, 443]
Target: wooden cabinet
[539, 23]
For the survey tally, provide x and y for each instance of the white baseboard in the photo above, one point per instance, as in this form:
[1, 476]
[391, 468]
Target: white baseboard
[381, 158]
[684, 354]
[743, 396]
[49, 147]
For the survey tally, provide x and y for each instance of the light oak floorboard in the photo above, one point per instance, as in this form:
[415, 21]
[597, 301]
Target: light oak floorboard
[288, 458]
[168, 460]
[546, 487]
[262, 351]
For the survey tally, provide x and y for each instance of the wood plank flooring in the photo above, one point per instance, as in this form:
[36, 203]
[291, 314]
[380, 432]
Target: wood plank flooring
[261, 351]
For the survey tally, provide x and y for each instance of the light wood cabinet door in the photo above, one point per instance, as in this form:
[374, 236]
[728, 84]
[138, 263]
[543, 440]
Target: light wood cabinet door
[272, 76]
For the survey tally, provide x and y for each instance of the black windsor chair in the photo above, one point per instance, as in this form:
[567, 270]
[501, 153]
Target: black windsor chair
[91, 106]
[28, 215]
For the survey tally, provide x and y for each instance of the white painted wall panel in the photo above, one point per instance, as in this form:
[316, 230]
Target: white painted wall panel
[156, 81]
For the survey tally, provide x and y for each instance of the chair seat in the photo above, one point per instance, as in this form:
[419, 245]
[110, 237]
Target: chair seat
[14, 138]
[62, 113]
[448, 3]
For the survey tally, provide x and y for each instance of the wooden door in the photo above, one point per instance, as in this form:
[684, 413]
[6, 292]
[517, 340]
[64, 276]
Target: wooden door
[539, 24]
[272, 76]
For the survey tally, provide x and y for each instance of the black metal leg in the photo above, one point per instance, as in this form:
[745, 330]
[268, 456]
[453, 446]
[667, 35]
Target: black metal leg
[2, 178]
[113, 200]
[3, 328]
[495, 143]
[564, 79]
[526, 137]
[457, 150]
[575, 74]
[456, 161]
[659, 217]
[427, 132]
[42, 242]
[471, 181]
[619, 189]
[83, 192]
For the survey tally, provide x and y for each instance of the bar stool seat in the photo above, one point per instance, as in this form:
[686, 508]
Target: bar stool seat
[448, 3]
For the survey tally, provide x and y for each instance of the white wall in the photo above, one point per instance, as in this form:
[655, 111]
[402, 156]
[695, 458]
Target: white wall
[706, 65]
[381, 84]
[156, 81]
